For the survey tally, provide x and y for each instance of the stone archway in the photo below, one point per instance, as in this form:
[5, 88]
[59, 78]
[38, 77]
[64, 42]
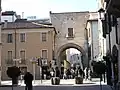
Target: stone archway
[72, 45]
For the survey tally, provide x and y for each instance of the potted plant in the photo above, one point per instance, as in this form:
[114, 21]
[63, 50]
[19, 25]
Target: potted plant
[13, 72]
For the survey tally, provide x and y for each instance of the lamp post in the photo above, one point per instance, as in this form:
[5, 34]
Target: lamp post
[33, 60]
[40, 66]
[101, 12]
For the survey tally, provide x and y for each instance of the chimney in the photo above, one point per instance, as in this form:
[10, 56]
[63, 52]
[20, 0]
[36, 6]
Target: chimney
[50, 12]
[18, 16]
[5, 23]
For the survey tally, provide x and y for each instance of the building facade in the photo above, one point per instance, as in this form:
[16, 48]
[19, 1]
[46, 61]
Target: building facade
[111, 26]
[70, 27]
[23, 42]
[96, 42]
[93, 36]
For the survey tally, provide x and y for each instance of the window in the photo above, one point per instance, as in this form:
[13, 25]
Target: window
[9, 61]
[22, 55]
[10, 38]
[22, 37]
[44, 37]
[44, 53]
[70, 32]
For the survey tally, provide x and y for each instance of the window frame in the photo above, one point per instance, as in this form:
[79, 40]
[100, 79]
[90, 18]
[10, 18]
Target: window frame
[20, 53]
[11, 54]
[10, 38]
[10, 61]
[42, 53]
[42, 36]
[71, 35]
[23, 34]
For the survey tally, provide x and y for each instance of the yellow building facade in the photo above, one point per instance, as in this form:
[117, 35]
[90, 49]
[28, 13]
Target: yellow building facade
[23, 42]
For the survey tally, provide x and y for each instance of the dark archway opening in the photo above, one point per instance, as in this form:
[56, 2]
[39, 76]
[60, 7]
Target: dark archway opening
[78, 59]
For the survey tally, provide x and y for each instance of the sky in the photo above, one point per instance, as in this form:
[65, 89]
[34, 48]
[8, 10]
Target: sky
[41, 8]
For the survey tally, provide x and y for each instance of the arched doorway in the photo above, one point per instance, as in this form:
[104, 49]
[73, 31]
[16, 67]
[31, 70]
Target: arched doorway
[72, 45]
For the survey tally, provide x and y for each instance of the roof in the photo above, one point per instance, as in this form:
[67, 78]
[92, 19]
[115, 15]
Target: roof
[8, 13]
[42, 21]
[24, 25]
[69, 12]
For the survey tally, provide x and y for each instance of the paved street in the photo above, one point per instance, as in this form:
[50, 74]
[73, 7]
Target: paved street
[64, 85]
[94, 81]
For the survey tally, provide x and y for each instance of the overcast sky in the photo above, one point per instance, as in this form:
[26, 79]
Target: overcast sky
[41, 8]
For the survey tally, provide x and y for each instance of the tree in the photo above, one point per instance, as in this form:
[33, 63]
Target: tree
[13, 72]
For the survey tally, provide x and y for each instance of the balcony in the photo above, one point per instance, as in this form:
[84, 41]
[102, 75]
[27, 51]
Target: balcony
[9, 61]
[113, 7]
[70, 37]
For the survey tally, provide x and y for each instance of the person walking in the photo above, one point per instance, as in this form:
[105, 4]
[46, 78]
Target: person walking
[57, 72]
[85, 72]
[28, 78]
[52, 72]
[89, 75]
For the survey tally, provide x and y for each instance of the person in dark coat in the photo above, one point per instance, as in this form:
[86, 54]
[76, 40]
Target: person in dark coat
[28, 78]
[57, 72]
[80, 72]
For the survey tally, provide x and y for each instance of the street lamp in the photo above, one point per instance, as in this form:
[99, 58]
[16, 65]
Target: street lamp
[33, 60]
[101, 13]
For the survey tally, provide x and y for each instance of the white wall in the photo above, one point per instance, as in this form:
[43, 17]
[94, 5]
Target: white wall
[8, 18]
[95, 37]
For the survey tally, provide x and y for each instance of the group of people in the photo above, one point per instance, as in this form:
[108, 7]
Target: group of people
[68, 74]
[71, 73]
[87, 73]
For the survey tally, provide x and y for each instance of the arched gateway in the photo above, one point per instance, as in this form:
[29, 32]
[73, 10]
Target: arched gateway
[70, 33]
[72, 45]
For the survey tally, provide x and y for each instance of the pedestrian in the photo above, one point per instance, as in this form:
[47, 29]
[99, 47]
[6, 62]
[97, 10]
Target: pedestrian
[85, 72]
[57, 72]
[28, 78]
[89, 74]
[79, 72]
[72, 73]
[64, 75]
[52, 72]
[68, 73]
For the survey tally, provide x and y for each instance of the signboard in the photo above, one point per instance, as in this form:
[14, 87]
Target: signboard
[31, 17]
[16, 59]
[44, 62]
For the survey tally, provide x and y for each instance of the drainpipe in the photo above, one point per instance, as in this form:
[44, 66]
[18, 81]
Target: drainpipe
[110, 29]
[15, 46]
